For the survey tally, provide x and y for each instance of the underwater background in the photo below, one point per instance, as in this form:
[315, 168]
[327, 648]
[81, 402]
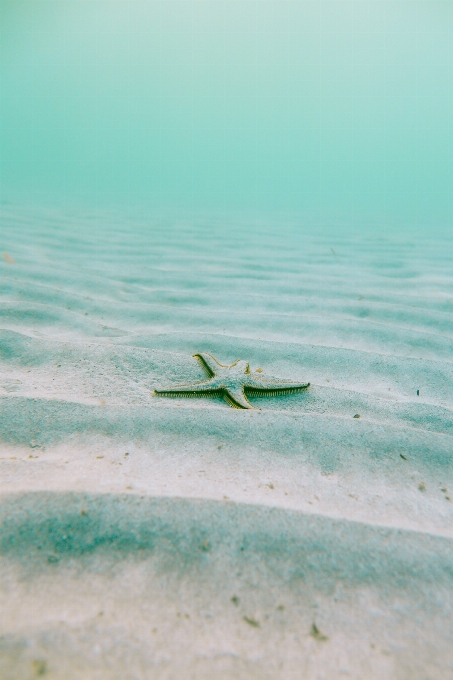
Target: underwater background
[339, 111]
[266, 181]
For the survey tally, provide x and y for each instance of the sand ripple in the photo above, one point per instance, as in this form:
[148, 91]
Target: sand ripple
[345, 522]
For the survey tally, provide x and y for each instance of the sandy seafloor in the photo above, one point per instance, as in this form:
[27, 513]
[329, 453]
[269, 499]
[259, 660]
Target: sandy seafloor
[146, 537]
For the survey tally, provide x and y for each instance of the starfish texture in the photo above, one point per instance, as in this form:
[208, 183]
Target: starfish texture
[233, 382]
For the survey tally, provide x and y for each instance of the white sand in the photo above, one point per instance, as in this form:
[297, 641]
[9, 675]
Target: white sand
[157, 511]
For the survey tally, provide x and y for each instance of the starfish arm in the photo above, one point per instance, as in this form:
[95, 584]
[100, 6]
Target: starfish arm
[236, 397]
[274, 385]
[202, 387]
[208, 362]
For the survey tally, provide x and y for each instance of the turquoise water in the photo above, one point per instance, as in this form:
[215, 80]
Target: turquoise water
[266, 181]
[338, 111]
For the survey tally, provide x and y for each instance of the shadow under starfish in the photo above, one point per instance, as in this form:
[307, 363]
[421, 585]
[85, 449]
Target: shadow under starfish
[233, 383]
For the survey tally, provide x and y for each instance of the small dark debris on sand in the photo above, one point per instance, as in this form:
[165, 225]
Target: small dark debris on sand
[39, 667]
[316, 633]
[8, 259]
[251, 622]
[357, 415]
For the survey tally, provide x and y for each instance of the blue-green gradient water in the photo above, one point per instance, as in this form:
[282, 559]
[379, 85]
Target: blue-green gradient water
[336, 110]
[265, 181]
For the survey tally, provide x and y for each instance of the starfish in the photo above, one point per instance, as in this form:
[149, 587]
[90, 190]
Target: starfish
[232, 382]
